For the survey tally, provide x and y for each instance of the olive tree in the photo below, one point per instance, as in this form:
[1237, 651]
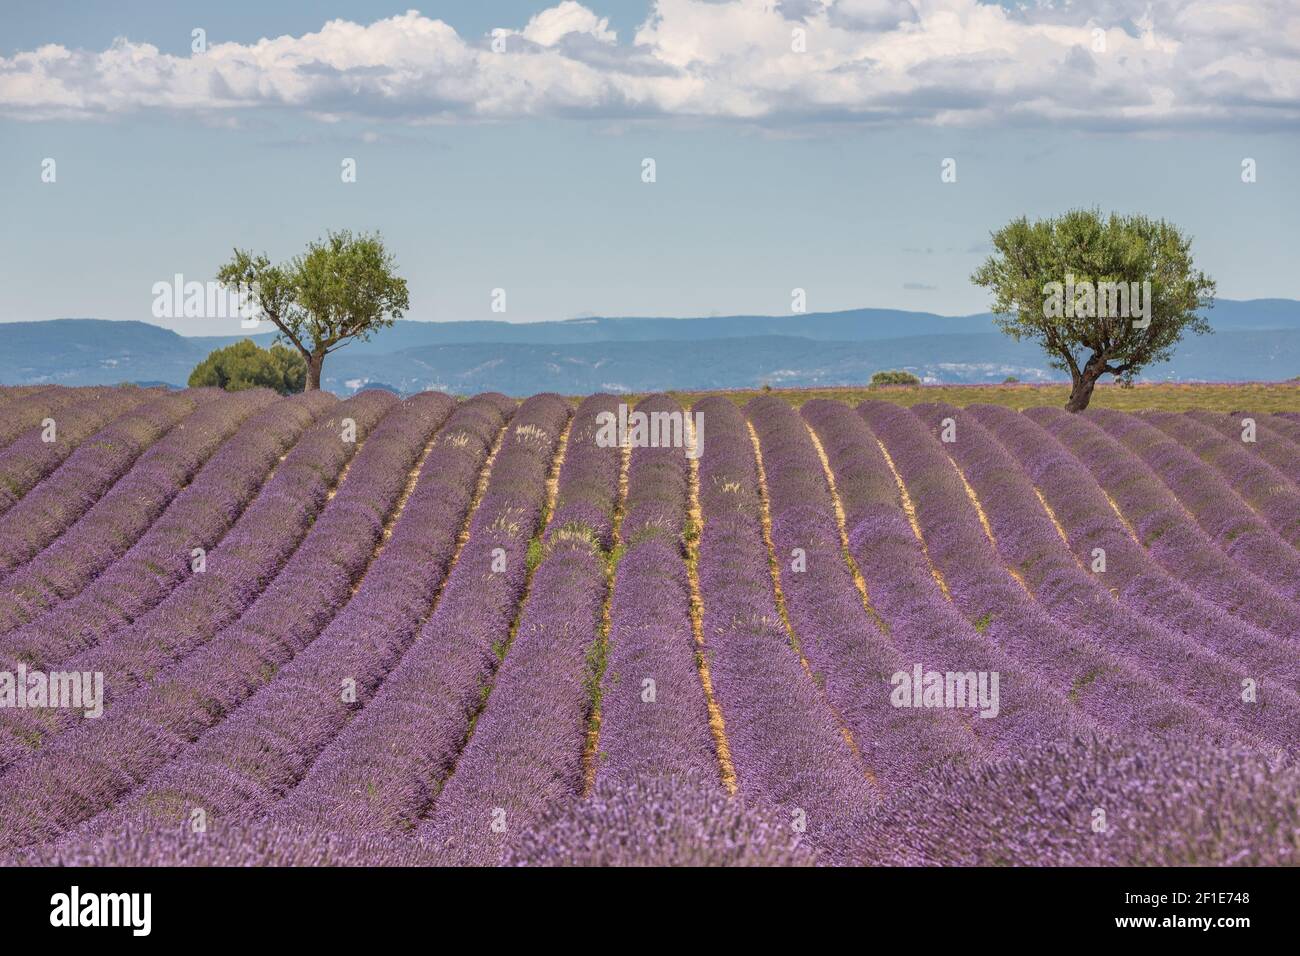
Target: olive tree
[342, 288]
[1101, 295]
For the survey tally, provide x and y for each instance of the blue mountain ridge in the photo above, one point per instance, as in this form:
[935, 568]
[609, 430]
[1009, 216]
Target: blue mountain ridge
[1254, 340]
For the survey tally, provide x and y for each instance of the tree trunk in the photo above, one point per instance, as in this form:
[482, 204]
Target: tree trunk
[1080, 395]
[314, 363]
[1084, 382]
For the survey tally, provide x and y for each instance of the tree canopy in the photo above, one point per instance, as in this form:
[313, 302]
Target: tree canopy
[343, 287]
[246, 365]
[1101, 295]
[894, 377]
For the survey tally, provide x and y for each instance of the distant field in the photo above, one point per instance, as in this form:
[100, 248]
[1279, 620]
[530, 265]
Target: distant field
[1253, 396]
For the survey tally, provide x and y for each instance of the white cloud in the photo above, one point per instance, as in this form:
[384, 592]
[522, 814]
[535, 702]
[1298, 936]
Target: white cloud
[959, 62]
[549, 26]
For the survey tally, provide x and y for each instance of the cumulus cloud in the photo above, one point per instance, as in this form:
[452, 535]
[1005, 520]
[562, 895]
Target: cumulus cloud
[1100, 63]
[555, 23]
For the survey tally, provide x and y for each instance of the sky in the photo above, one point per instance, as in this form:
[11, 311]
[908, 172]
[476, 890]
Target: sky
[798, 144]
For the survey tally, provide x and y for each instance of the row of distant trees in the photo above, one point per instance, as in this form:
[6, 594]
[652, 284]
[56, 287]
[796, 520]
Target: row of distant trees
[345, 287]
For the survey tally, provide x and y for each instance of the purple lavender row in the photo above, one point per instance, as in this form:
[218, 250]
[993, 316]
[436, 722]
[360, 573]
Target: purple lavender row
[197, 685]
[66, 599]
[1169, 801]
[1285, 424]
[1127, 672]
[526, 749]
[236, 572]
[848, 652]
[588, 483]
[1265, 489]
[62, 498]
[108, 527]
[239, 767]
[923, 624]
[786, 746]
[28, 411]
[383, 770]
[1201, 492]
[661, 727]
[1093, 531]
[140, 843]
[30, 458]
[1277, 439]
[1164, 529]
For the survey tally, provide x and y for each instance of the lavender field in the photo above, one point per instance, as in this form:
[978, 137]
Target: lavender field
[237, 628]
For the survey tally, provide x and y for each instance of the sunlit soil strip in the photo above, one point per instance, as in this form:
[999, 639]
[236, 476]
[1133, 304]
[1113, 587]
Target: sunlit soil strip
[462, 536]
[552, 481]
[1051, 516]
[717, 726]
[781, 609]
[984, 523]
[534, 547]
[402, 499]
[910, 510]
[1065, 538]
[841, 524]
[589, 762]
[347, 466]
[1120, 515]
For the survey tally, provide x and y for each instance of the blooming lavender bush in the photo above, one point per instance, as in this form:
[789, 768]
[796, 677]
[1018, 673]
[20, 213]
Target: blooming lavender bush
[48, 593]
[666, 820]
[787, 747]
[654, 718]
[1265, 488]
[1092, 527]
[27, 411]
[236, 770]
[384, 770]
[1127, 669]
[203, 680]
[1228, 521]
[1097, 802]
[849, 653]
[527, 744]
[115, 517]
[270, 843]
[1166, 531]
[30, 458]
[55, 504]
[923, 624]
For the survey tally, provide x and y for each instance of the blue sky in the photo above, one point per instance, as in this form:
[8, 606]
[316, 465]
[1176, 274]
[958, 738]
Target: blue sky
[522, 169]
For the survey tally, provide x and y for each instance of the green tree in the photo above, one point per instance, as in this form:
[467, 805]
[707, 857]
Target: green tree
[894, 377]
[343, 287]
[1099, 295]
[245, 365]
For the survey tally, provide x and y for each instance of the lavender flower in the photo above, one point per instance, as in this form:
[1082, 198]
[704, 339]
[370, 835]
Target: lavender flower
[660, 821]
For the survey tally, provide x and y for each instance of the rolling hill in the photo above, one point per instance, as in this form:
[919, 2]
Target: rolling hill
[1256, 340]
